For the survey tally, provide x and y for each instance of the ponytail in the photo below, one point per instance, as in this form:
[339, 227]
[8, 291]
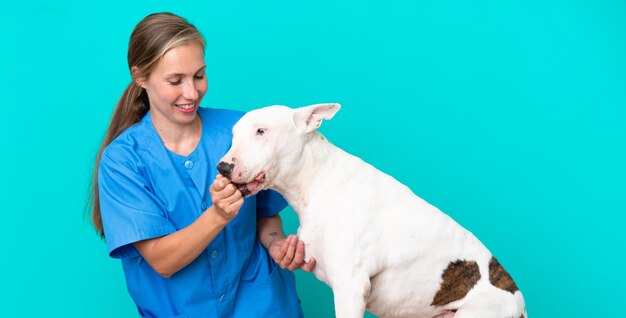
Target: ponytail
[130, 109]
[155, 35]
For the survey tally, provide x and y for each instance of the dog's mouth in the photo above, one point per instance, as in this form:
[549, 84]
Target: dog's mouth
[253, 187]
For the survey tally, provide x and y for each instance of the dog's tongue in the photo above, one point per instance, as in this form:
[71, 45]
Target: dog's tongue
[260, 178]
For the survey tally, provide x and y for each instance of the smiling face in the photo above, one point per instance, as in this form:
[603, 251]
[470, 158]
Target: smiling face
[176, 86]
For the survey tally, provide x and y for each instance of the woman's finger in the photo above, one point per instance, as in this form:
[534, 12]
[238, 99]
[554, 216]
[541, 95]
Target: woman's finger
[308, 266]
[298, 258]
[234, 197]
[278, 252]
[219, 183]
[291, 249]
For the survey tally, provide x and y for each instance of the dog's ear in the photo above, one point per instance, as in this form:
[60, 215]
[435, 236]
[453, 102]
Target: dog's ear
[309, 118]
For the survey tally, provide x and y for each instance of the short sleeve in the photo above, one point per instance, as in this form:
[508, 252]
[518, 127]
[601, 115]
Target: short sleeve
[269, 203]
[130, 211]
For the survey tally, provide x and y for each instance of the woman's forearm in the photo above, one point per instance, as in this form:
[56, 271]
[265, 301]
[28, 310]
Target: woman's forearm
[269, 229]
[169, 254]
[287, 252]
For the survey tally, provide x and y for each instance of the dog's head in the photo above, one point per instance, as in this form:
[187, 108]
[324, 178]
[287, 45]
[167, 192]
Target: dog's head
[268, 143]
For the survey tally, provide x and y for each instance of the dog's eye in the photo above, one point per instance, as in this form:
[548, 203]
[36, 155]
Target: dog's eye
[260, 131]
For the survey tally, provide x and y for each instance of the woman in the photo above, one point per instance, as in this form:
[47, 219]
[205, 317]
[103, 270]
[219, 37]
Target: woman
[190, 245]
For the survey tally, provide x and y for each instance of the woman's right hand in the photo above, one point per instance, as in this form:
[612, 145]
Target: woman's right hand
[227, 199]
[170, 253]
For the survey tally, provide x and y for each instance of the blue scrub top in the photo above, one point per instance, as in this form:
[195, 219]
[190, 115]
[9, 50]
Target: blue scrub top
[147, 191]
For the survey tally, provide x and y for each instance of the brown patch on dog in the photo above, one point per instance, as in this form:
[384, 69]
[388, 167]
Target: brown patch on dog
[458, 279]
[500, 278]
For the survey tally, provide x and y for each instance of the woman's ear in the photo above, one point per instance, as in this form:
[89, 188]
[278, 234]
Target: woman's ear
[138, 78]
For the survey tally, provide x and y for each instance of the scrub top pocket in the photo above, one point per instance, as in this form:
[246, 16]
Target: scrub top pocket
[266, 290]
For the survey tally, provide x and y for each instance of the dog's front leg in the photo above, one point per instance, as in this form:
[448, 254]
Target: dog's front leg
[351, 298]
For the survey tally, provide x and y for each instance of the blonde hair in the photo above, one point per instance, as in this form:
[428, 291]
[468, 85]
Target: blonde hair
[153, 36]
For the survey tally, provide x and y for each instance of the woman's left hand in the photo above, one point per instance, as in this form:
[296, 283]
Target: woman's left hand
[288, 253]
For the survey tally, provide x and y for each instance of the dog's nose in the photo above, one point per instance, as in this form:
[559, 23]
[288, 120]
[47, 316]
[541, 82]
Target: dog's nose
[225, 168]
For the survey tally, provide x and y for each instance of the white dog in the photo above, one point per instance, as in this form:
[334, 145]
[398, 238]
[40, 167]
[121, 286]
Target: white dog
[378, 246]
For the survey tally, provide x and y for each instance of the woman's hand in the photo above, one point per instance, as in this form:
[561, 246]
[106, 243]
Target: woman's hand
[288, 253]
[227, 199]
[170, 253]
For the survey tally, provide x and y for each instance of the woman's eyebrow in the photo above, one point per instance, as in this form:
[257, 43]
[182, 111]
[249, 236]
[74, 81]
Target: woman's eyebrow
[182, 74]
[201, 69]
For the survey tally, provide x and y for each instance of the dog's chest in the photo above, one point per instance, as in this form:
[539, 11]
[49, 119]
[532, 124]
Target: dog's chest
[335, 241]
[313, 248]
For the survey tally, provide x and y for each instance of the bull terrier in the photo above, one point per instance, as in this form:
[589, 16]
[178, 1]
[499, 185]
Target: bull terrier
[380, 247]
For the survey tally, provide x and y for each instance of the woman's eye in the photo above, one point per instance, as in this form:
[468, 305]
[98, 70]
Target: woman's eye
[199, 77]
[260, 131]
[176, 82]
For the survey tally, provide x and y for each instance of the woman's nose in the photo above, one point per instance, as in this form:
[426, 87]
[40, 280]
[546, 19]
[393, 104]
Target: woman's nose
[190, 91]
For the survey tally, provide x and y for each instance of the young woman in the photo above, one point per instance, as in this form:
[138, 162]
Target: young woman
[189, 244]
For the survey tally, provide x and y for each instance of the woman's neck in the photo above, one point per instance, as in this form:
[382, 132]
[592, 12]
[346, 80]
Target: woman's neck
[180, 139]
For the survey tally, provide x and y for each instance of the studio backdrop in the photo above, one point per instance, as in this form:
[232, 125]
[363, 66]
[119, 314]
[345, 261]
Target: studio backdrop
[510, 116]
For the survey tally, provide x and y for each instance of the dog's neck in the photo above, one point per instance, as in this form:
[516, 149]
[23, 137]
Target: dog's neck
[319, 158]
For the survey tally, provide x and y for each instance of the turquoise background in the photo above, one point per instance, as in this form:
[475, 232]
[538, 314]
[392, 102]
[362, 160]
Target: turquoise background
[508, 115]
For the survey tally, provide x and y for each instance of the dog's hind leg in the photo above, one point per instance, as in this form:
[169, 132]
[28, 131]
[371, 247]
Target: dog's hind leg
[350, 298]
[447, 314]
[487, 301]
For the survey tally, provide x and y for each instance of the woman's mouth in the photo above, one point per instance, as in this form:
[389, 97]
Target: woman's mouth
[186, 108]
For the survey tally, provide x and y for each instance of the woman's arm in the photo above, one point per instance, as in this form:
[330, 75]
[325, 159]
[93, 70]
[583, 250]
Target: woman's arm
[169, 254]
[287, 252]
